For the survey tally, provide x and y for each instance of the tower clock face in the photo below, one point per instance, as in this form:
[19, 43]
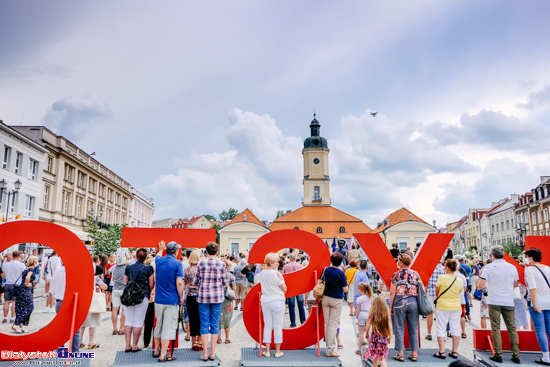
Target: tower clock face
[316, 161]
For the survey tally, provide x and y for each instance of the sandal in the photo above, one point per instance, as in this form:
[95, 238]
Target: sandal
[81, 345]
[156, 355]
[358, 352]
[115, 332]
[227, 341]
[187, 338]
[412, 358]
[454, 355]
[93, 346]
[440, 355]
[399, 358]
[219, 341]
[121, 332]
[167, 358]
[464, 335]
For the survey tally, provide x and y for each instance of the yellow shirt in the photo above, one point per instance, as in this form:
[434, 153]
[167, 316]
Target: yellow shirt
[350, 274]
[450, 301]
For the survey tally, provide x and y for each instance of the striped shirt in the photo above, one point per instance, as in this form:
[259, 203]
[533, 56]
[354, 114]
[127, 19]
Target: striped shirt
[439, 270]
[211, 277]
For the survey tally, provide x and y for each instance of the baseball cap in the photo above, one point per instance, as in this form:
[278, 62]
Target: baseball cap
[172, 247]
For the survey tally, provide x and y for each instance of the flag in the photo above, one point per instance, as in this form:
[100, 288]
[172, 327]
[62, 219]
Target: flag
[3, 219]
[326, 243]
[334, 244]
[18, 216]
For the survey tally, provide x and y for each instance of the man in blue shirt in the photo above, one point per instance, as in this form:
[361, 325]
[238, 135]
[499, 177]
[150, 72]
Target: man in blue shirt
[361, 276]
[168, 298]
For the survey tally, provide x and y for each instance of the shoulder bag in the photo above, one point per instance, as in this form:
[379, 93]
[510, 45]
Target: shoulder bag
[435, 300]
[132, 294]
[425, 307]
[319, 288]
[15, 289]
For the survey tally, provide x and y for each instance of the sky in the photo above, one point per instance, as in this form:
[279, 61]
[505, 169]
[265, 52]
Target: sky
[205, 105]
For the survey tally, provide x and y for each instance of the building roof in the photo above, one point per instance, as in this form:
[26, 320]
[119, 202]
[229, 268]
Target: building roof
[309, 218]
[250, 218]
[498, 206]
[399, 216]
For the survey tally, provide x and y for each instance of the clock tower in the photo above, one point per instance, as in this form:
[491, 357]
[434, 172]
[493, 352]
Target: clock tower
[316, 179]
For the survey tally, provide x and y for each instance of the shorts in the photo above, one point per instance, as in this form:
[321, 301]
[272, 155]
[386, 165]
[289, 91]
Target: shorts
[7, 293]
[167, 321]
[361, 322]
[115, 299]
[241, 291]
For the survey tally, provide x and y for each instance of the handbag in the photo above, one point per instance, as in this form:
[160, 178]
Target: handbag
[435, 300]
[15, 289]
[425, 307]
[99, 304]
[517, 294]
[230, 294]
[319, 288]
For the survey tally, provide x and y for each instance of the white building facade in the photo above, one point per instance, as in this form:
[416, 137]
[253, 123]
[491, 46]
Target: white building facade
[22, 161]
[142, 210]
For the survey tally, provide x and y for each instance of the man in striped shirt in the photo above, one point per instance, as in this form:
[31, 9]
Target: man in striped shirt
[439, 270]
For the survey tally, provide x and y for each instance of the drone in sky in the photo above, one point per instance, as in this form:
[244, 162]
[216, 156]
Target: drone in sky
[373, 114]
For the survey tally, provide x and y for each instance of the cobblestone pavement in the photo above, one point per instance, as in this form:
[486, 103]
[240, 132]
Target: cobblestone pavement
[230, 353]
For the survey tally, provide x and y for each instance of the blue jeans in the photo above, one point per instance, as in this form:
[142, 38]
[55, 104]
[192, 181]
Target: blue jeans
[542, 327]
[209, 314]
[292, 311]
[467, 309]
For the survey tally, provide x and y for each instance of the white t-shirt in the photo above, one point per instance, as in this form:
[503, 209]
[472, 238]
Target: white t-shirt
[463, 278]
[535, 280]
[500, 277]
[54, 263]
[13, 270]
[270, 285]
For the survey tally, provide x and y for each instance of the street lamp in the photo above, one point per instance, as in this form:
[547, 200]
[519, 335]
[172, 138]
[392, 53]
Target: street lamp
[520, 230]
[92, 211]
[3, 186]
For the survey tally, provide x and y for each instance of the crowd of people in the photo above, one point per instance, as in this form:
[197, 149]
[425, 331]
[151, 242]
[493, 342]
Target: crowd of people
[203, 289]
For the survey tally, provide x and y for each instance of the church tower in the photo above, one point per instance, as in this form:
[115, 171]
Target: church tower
[316, 179]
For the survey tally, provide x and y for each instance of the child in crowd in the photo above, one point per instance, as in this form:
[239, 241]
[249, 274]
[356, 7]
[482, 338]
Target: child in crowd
[380, 337]
[362, 310]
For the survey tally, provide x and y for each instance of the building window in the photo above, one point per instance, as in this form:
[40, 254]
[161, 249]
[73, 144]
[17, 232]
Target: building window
[492, 228]
[29, 203]
[507, 224]
[497, 227]
[69, 173]
[33, 165]
[296, 228]
[13, 203]
[1, 201]
[18, 161]
[110, 195]
[66, 198]
[49, 164]
[545, 211]
[45, 197]
[539, 217]
[81, 179]
[316, 193]
[6, 160]
[342, 230]
[31, 175]
[319, 230]
[534, 217]
[78, 207]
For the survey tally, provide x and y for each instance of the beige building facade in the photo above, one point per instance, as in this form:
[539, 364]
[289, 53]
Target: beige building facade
[75, 184]
[240, 235]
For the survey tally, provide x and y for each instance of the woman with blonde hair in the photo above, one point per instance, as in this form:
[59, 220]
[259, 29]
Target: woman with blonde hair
[273, 303]
[24, 303]
[191, 300]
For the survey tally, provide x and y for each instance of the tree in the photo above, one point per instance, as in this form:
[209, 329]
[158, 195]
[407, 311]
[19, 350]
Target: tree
[209, 217]
[511, 248]
[228, 215]
[105, 241]
[280, 213]
[217, 228]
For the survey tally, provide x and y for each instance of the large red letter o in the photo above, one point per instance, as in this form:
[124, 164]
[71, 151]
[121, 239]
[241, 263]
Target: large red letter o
[80, 279]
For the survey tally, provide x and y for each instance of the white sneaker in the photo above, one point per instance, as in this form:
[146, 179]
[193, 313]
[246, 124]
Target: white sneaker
[17, 329]
[52, 310]
[12, 319]
[24, 329]
[46, 310]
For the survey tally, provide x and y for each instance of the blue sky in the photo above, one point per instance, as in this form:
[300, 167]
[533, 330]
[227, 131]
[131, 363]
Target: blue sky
[203, 106]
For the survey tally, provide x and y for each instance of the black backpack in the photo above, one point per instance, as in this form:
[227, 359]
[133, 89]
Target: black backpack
[132, 294]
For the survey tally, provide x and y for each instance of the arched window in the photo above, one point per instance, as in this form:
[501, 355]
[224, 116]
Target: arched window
[319, 230]
[296, 228]
[342, 230]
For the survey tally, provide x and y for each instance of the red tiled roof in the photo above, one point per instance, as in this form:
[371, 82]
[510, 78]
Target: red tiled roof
[250, 218]
[399, 216]
[309, 218]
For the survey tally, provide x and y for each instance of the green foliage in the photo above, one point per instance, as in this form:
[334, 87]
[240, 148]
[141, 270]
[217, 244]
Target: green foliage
[280, 213]
[209, 216]
[217, 228]
[511, 248]
[228, 214]
[107, 240]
